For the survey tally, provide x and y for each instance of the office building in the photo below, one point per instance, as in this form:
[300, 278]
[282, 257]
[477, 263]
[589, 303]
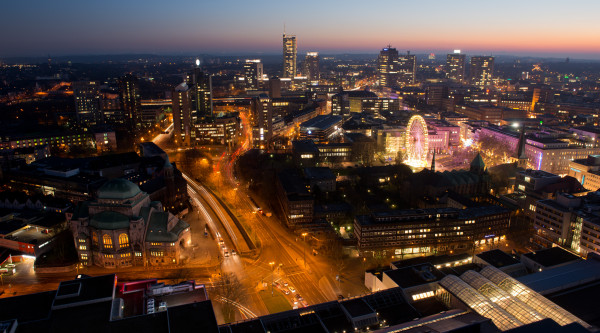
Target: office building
[253, 73]
[482, 70]
[130, 101]
[388, 67]
[262, 120]
[220, 131]
[87, 102]
[586, 171]
[311, 67]
[184, 115]
[407, 69]
[289, 56]
[321, 129]
[200, 84]
[431, 230]
[455, 66]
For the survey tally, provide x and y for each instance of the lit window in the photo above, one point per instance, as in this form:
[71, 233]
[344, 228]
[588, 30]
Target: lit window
[123, 240]
[107, 241]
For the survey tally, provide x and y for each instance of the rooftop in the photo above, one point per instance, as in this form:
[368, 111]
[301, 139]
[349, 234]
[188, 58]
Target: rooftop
[416, 275]
[322, 122]
[498, 258]
[357, 307]
[552, 257]
[319, 173]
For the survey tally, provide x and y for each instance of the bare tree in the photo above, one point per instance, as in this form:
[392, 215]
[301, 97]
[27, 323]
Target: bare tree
[230, 292]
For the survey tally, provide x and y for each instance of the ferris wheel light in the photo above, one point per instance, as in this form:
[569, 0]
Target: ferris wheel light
[417, 142]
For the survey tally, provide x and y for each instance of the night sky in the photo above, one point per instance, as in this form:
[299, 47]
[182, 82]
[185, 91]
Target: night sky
[60, 27]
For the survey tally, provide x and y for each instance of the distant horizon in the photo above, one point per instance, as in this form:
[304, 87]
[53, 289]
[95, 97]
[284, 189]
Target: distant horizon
[248, 54]
[521, 28]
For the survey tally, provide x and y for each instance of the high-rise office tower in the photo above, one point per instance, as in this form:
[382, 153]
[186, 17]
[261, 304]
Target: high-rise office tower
[455, 66]
[407, 68]
[253, 72]
[87, 102]
[130, 100]
[262, 116]
[183, 113]
[482, 69]
[311, 66]
[289, 56]
[201, 85]
[387, 67]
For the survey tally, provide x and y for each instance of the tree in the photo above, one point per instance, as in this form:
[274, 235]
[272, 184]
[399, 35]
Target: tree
[229, 291]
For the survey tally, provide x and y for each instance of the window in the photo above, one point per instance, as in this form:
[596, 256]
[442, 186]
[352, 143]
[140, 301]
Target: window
[156, 253]
[82, 247]
[123, 240]
[95, 238]
[84, 256]
[107, 241]
[81, 240]
[155, 244]
[138, 254]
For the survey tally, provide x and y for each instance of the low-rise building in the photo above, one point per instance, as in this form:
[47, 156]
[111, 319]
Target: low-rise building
[296, 202]
[586, 171]
[432, 230]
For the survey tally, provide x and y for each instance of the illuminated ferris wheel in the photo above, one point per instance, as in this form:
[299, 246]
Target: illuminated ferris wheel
[417, 142]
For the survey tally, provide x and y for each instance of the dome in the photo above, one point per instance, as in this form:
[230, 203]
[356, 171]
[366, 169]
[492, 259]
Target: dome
[118, 189]
[108, 220]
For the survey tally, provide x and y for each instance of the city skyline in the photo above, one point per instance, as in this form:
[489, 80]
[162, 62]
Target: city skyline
[190, 27]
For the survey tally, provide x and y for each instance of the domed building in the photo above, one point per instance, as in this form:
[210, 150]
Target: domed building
[122, 227]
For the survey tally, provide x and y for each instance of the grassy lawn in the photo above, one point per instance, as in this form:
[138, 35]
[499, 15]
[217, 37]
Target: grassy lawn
[275, 303]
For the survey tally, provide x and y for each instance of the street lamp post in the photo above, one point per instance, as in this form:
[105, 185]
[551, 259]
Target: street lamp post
[304, 248]
[272, 263]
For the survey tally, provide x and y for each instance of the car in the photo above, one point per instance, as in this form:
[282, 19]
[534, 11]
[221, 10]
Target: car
[226, 254]
[233, 252]
[285, 284]
[275, 284]
[292, 289]
[285, 291]
[340, 297]
[298, 296]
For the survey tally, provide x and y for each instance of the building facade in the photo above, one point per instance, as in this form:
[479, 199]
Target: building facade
[289, 56]
[184, 115]
[482, 70]
[123, 228]
[455, 67]
[388, 67]
[432, 230]
[311, 67]
[253, 73]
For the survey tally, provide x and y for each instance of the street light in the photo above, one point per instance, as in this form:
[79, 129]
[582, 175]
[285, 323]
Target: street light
[304, 248]
[272, 263]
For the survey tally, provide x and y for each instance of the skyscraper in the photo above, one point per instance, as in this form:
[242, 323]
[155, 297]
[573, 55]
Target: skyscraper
[130, 100]
[253, 72]
[183, 114]
[311, 66]
[407, 68]
[455, 66]
[87, 102]
[262, 116]
[387, 67]
[201, 85]
[482, 69]
[289, 56]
